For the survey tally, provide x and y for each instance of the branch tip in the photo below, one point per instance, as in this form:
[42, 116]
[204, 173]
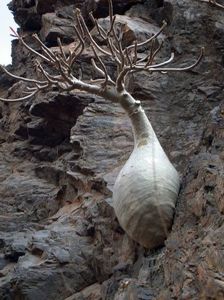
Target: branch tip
[128, 59]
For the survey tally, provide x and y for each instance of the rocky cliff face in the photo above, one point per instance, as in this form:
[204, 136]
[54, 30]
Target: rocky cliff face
[59, 238]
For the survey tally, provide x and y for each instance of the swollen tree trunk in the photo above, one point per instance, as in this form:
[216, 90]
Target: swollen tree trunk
[147, 187]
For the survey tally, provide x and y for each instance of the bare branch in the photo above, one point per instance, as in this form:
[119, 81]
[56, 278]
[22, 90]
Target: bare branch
[46, 50]
[19, 99]
[74, 55]
[214, 2]
[112, 21]
[102, 66]
[101, 72]
[153, 68]
[63, 73]
[153, 54]
[111, 12]
[80, 74]
[49, 78]
[61, 48]
[128, 57]
[91, 39]
[121, 78]
[125, 58]
[114, 51]
[100, 81]
[21, 78]
[28, 47]
[156, 68]
[150, 39]
[101, 31]
[160, 64]
[97, 68]
[135, 52]
[79, 27]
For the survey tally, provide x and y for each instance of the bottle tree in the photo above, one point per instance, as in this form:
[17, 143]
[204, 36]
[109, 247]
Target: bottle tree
[147, 187]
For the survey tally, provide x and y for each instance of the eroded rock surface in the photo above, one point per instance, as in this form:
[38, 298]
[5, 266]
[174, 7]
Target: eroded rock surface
[59, 157]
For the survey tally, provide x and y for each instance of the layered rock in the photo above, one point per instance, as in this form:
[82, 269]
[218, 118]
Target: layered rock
[59, 238]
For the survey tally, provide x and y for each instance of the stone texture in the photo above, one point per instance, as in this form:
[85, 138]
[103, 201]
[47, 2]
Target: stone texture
[92, 292]
[100, 7]
[54, 27]
[59, 238]
[132, 29]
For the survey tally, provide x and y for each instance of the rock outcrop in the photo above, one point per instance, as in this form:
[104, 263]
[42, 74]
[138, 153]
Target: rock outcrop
[59, 157]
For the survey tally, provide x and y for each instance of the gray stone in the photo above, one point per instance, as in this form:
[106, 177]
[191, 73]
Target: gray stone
[54, 27]
[59, 238]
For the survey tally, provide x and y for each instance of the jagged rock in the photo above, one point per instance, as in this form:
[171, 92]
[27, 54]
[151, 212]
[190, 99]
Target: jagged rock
[102, 119]
[92, 292]
[61, 246]
[57, 115]
[158, 11]
[54, 27]
[59, 235]
[43, 7]
[25, 14]
[37, 205]
[132, 29]
[100, 8]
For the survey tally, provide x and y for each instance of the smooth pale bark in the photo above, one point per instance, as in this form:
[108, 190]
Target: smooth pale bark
[147, 187]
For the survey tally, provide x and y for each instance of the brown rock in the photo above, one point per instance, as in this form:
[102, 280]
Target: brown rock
[43, 7]
[54, 27]
[132, 29]
[92, 292]
[100, 8]
[57, 225]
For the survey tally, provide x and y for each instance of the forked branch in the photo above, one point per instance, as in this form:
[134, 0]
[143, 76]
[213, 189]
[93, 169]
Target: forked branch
[214, 2]
[126, 59]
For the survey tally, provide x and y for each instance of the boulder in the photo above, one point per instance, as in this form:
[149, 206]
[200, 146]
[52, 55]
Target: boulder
[54, 27]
